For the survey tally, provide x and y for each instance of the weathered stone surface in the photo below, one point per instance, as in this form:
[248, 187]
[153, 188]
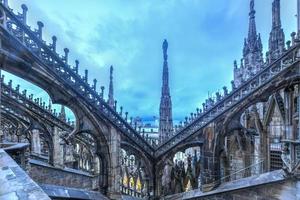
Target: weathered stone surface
[272, 185]
[126, 197]
[15, 183]
[65, 192]
[41, 173]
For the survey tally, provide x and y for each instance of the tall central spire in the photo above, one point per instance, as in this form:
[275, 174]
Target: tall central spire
[165, 110]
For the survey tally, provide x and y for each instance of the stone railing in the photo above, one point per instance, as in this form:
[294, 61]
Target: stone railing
[19, 152]
[15, 25]
[235, 97]
[34, 105]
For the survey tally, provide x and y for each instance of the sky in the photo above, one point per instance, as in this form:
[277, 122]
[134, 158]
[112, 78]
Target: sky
[204, 36]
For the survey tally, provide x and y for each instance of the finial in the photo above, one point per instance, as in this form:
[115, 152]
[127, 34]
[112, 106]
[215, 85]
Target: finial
[76, 66]
[121, 111]
[111, 71]
[94, 85]
[54, 39]
[131, 120]
[115, 106]
[66, 50]
[233, 85]
[40, 29]
[252, 7]
[49, 104]
[218, 96]
[24, 8]
[225, 90]
[24, 13]
[102, 91]
[235, 64]
[24, 93]
[86, 75]
[288, 44]
[204, 106]
[18, 88]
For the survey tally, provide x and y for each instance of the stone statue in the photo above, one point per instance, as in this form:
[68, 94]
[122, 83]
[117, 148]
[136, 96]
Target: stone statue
[178, 176]
[166, 178]
[252, 5]
[285, 156]
[190, 173]
[196, 166]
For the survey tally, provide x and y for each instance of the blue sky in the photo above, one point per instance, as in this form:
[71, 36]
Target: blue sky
[204, 36]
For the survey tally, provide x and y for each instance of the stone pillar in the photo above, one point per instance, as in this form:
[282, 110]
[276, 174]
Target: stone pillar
[297, 123]
[257, 156]
[114, 177]
[288, 102]
[96, 165]
[288, 140]
[265, 151]
[58, 149]
[35, 142]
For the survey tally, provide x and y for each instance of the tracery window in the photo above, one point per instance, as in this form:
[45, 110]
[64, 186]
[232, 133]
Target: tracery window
[85, 155]
[183, 174]
[133, 181]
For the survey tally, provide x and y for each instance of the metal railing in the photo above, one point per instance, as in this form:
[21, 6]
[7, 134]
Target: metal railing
[252, 170]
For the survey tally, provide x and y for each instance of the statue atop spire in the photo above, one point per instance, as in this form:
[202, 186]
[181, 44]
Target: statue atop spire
[165, 110]
[252, 6]
[111, 101]
[165, 49]
[165, 89]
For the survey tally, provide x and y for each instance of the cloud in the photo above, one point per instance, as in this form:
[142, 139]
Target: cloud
[204, 38]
